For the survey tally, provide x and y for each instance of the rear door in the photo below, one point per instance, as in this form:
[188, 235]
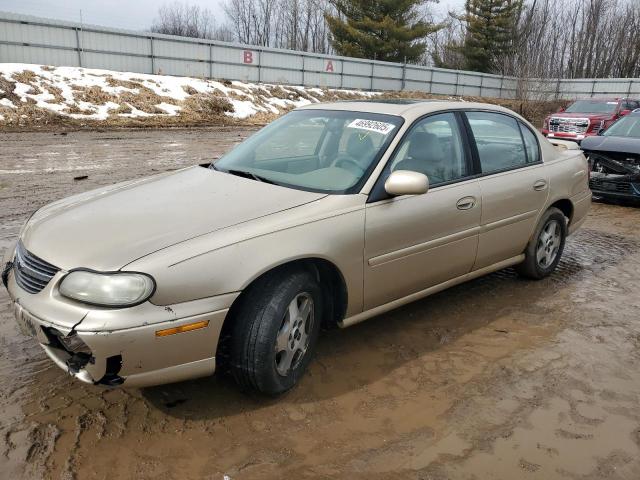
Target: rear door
[417, 241]
[514, 184]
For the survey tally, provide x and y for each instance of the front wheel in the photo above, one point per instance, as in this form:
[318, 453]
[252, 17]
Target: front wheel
[275, 331]
[545, 247]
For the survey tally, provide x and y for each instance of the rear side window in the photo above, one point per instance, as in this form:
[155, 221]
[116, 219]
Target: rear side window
[531, 144]
[499, 141]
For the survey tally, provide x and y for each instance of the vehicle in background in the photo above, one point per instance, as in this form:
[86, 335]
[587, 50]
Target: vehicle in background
[585, 118]
[614, 157]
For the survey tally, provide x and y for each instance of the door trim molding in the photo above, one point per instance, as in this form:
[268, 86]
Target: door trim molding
[360, 317]
[422, 247]
[508, 221]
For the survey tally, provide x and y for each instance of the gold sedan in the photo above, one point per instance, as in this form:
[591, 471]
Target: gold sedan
[328, 216]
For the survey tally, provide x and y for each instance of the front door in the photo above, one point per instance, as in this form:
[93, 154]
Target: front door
[416, 241]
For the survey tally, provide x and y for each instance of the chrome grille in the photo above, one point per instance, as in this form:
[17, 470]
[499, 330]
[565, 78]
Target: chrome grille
[32, 273]
[568, 125]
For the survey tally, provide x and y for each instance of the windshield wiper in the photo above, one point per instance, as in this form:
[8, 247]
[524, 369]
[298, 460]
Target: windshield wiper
[251, 176]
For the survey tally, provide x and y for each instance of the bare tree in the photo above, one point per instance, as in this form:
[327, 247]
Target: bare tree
[293, 24]
[183, 19]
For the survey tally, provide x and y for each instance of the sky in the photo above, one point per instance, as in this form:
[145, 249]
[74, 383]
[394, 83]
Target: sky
[128, 14]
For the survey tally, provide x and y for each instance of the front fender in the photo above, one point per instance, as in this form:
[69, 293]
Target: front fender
[230, 260]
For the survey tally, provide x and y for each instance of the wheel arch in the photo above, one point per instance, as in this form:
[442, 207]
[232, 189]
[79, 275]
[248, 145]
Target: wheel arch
[565, 206]
[330, 278]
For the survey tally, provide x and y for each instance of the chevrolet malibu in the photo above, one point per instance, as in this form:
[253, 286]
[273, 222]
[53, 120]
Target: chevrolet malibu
[330, 215]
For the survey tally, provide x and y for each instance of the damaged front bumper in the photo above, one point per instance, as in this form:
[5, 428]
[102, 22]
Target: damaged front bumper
[615, 175]
[615, 186]
[122, 346]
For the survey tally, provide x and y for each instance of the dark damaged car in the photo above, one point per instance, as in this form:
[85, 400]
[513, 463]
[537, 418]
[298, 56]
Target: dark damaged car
[614, 157]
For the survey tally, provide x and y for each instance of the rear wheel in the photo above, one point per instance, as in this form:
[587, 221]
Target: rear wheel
[546, 246]
[275, 331]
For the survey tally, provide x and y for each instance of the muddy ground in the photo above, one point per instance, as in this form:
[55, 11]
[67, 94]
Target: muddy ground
[497, 379]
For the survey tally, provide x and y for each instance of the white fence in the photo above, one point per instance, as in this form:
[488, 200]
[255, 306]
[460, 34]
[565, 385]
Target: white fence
[26, 39]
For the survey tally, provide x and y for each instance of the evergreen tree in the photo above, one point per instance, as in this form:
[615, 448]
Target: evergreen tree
[389, 30]
[491, 31]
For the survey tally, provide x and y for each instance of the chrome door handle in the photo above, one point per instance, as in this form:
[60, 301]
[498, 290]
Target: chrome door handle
[466, 203]
[540, 185]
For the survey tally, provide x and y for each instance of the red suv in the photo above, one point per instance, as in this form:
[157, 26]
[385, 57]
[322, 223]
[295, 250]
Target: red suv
[586, 117]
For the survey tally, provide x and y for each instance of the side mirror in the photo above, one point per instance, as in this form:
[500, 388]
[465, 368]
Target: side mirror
[562, 109]
[405, 182]
[625, 112]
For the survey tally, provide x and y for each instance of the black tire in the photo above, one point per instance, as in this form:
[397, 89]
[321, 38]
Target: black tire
[531, 267]
[260, 318]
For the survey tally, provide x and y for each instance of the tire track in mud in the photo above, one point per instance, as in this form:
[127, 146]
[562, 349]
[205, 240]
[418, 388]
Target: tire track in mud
[119, 414]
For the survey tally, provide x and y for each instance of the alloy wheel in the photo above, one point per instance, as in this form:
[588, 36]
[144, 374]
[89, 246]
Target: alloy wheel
[293, 336]
[548, 244]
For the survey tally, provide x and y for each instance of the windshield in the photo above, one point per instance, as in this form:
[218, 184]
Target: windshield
[317, 150]
[592, 106]
[625, 127]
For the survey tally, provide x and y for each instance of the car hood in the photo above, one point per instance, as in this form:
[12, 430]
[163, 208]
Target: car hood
[108, 228]
[591, 116]
[612, 144]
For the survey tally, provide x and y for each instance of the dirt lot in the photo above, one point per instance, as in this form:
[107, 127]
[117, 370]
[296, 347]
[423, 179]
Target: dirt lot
[496, 379]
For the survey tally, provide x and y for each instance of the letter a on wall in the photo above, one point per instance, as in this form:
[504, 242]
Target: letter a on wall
[329, 68]
[248, 56]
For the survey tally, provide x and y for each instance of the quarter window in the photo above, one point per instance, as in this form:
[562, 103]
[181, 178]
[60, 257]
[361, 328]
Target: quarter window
[499, 141]
[531, 144]
[433, 147]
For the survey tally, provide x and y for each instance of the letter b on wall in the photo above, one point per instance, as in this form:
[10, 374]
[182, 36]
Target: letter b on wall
[248, 56]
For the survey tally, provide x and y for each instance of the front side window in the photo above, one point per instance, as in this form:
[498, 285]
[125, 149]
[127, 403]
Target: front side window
[499, 141]
[328, 151]
[433, 147]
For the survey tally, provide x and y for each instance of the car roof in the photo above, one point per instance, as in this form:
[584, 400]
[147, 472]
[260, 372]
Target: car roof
[406, 108]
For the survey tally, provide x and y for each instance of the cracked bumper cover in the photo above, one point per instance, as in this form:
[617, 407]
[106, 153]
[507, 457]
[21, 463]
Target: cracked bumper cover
[123, 345]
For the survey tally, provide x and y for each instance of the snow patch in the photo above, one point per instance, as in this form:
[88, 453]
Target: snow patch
[96, 94]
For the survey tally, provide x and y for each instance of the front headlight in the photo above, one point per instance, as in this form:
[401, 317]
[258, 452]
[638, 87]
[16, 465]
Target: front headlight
[119, 289]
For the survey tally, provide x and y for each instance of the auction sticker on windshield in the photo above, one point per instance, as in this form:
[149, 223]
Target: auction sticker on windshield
[372, 126]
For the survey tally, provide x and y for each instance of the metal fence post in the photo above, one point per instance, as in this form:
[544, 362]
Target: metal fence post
[303, 59]
[78, 46]
[593, 87]
[430, 82]
[259, 65]
[372, 71]
[153, 63]
[481, 84]
[404, 74]
[501, 85]
[211, 60]
[629, 89]
[342, 74]
[457, 80]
